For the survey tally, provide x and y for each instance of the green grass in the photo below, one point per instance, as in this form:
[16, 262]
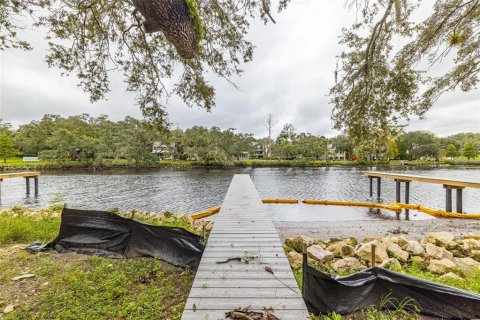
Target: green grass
[20, 225]
[73, 286]
[19, 164]
[388, 309]
[471, 281]
[77, 286]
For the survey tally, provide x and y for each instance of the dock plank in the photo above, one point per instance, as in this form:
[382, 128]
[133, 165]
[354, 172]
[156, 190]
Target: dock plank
[243, 228]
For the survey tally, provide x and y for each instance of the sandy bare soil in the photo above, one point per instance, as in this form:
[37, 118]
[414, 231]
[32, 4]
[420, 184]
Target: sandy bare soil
[360, 229]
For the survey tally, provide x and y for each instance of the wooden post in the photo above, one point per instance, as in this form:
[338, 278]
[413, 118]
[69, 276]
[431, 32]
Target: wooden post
[448, 201]
[304, 265]
[27, 181]
[371, 187]
[397, 190]
[36, 186]
[372, 263]
[407, 199]
[459, 200]
[204, 231]
[379, 188]
[305, 256]
[65, 205]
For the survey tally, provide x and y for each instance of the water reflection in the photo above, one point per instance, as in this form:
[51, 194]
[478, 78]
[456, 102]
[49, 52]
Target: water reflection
[191, 190]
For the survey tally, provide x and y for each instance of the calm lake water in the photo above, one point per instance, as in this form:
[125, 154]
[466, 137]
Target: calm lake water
[192, 190]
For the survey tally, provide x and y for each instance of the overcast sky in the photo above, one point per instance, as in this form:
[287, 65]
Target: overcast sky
[289, 77]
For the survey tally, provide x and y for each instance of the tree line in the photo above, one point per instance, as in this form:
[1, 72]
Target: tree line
[99, 139]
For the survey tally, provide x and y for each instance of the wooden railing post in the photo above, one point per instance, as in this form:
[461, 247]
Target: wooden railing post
[379, 189]
[27, 182]
[459, 200]
[372, 262]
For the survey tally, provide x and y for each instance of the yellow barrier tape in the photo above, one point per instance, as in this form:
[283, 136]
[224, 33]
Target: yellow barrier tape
[391, 207]
[397, 207]
[279, 200]
[439, 213]
[206, 213]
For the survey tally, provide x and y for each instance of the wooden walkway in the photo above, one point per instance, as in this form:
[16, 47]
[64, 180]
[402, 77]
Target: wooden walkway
[244, 229]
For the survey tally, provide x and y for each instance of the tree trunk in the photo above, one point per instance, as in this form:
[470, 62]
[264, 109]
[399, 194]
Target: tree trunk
[172, 17]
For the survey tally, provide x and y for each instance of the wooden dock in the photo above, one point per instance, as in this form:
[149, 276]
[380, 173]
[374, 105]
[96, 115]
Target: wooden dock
[26, 175]
[243, 229]
[448, 184]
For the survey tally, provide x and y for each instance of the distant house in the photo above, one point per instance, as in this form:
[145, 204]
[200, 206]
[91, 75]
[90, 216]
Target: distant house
[162, 151]
[336, 155]
[260, 150]
[244, 155]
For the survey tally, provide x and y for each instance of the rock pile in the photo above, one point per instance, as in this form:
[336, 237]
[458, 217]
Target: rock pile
[439, 252]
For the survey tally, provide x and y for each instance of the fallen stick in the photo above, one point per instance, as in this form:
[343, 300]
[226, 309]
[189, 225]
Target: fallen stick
[269, 270]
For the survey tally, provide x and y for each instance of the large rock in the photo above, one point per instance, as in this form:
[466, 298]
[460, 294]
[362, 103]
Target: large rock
[365, 251]
[342, 249]
[475, 254]
[8, 309]
[414, 248]
[457, 253]
[391, 264]
[470, 244]
[466, 265]
[400, 240]
[368, 239]
[395, 251]
[286, 248]
[321, 244]
[319, 254]
[419, 262]
[307, 240]
[472, 236]
[295, 243]
[438, 253]
[440, 266]
[351, 241]
[347, 265]
[451, 276]
[295, 259]
[441, 239]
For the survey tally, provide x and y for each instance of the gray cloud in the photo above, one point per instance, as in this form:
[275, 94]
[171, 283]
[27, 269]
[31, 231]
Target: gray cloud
[289, 77]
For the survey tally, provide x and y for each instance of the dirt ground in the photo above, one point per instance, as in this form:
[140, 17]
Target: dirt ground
[360, 229]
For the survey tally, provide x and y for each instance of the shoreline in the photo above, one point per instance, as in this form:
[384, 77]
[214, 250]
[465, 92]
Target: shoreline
[413, 229]
[72, 165]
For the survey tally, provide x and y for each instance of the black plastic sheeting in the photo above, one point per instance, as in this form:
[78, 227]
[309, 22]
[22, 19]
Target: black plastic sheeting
[323, 293]
[107, 234]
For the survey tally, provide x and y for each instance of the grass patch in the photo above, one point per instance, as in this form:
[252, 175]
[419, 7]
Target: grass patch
[470, 282]
[74, 286]
[388, 309]
[19, 164]
[20, 225]
[77, 286]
